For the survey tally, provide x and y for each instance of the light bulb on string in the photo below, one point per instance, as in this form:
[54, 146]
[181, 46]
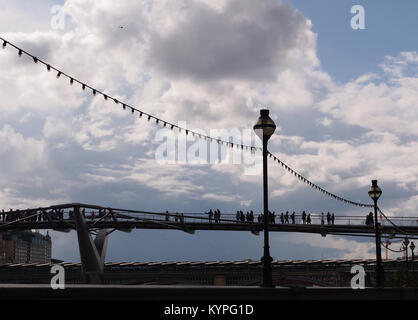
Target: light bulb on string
[83, 86]
[71, 81]
[35, 59]
[20, 52]
[48, 68]
[4, 44]
[58, 74]
[116, 101]
[124, 106]
[105, 96]
[132, 110]
[94, 92]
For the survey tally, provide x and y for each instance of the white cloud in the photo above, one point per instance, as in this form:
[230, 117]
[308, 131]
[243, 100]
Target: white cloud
[382, 104]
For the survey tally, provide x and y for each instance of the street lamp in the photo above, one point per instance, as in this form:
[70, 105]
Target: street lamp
[406, 243]
[375, 192]
[264, 128]
[412, 246]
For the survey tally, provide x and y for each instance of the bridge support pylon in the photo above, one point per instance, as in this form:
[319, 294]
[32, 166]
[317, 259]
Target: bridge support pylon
[92, 253]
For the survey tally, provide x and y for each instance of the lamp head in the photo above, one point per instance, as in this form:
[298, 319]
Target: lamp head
[264, 126]
[375, 192]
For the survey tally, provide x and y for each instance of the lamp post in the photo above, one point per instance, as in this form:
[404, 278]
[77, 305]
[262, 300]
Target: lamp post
[264, 128]
[375, 192]
[412, 246]
[406, 243]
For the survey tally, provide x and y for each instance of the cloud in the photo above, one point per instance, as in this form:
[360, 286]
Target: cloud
[384, 103]
[243, 40]
[348, 249]
[19, 154]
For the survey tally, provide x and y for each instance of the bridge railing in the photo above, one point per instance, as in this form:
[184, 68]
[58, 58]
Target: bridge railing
[92, 214]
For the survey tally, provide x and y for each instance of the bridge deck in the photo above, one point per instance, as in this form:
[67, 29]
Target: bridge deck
[124, 225]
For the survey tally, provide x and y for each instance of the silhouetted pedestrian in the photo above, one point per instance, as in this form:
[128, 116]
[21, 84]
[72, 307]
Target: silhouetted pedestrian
[242, 216]
[251, 216]
[217, 215]
[371, 219]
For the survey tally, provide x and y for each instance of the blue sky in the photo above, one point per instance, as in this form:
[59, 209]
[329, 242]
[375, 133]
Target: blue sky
[344, 101]
[391, 27]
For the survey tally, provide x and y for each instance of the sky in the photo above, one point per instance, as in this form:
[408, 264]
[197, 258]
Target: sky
[344, 102]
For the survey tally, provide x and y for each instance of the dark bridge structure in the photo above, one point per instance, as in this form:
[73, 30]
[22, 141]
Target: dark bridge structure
[99, 222]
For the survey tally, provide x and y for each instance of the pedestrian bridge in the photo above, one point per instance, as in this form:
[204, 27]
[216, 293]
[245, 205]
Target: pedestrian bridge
[91, 220]
[62, 218]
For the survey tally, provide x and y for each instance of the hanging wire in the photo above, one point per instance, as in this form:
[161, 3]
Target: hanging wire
[106, 96]
[315, 186]
[392, 223]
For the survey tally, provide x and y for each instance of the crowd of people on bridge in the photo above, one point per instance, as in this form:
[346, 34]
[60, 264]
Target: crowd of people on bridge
[214, 216]
[46, 215]
[285, 218]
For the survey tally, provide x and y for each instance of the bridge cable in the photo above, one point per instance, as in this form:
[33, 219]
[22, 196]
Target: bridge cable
[391, 222]
[315, 186]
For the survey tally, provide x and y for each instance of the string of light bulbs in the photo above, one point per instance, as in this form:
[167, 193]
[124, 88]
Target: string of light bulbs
[125, 106]
[172, 126]
[315, 186]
